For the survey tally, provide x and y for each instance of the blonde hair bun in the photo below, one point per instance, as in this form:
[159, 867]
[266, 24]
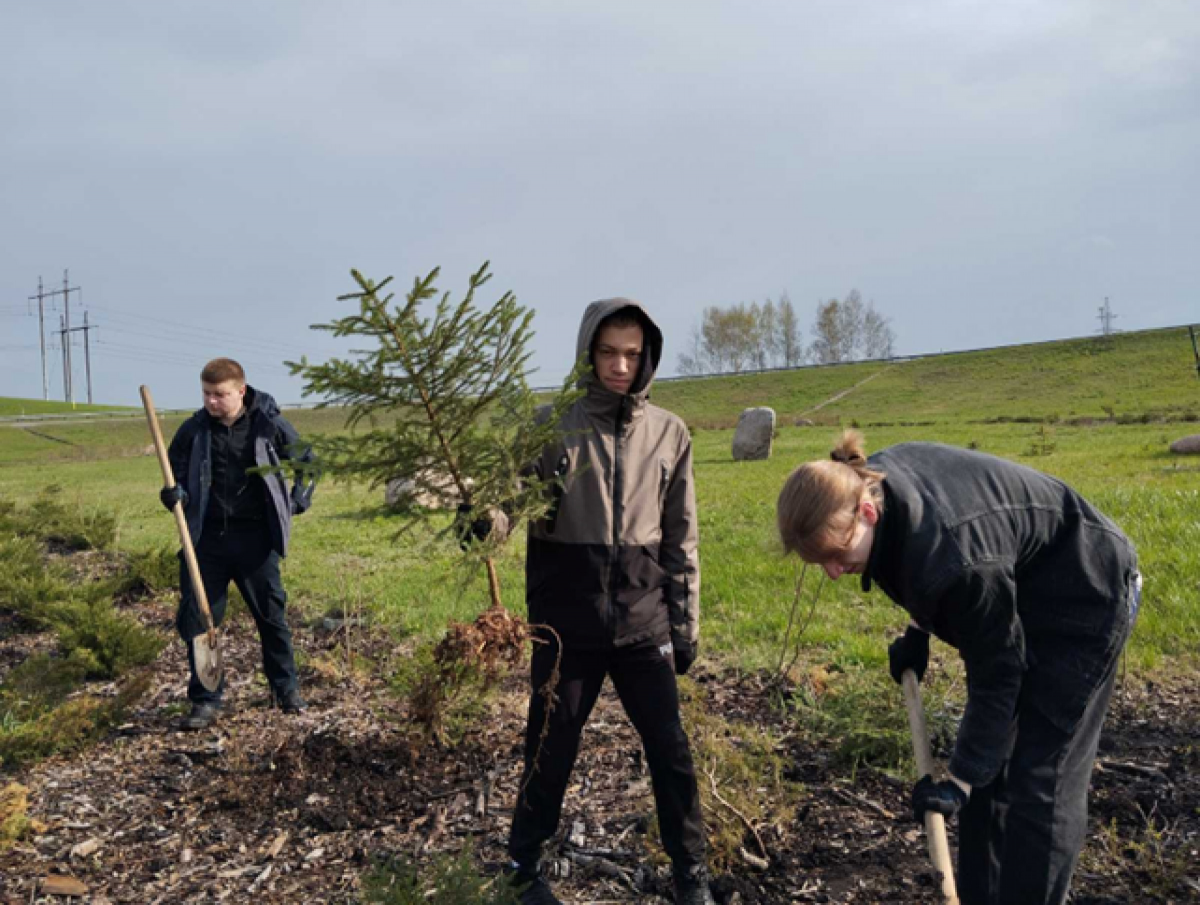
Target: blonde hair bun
[850, 449]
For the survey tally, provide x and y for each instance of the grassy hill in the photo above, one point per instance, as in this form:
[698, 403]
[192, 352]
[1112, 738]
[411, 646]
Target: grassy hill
[10, 407]
[1143, 376]
[1098, 416]
[1132, 377]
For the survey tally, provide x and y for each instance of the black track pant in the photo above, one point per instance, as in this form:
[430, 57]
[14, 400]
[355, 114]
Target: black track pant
[245, 557]
[1020, 836]
[644, 678]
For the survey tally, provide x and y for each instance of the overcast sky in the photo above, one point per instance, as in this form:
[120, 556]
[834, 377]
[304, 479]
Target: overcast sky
[984, 172]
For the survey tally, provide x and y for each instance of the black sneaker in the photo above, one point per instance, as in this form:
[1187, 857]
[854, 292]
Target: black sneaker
[691, 887]
[291, 702]
[201, 717]
[532, 888]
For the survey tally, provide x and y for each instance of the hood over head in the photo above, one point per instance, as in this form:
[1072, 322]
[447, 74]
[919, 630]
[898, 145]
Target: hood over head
[262, 401]
[595, 314]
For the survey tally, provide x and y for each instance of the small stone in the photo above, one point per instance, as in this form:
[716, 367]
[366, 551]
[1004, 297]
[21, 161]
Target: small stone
[1187, 446]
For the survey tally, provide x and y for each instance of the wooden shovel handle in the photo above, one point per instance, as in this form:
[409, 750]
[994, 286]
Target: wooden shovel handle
[935, 824]
[185, 537]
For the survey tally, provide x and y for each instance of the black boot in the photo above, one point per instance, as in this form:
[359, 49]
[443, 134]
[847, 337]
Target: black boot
[201, 717]
[691, 886]
[291, 702]
[531, 886]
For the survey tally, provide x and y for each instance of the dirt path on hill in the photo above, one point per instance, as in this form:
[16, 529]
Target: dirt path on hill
[844, 393]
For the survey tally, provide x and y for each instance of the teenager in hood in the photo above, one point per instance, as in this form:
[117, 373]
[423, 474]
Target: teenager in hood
[613, 569]
[239, 523]
[1036, 588]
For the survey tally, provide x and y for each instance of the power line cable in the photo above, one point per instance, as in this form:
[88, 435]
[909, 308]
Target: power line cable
[133, 353]
[125, 331]
[192, 330]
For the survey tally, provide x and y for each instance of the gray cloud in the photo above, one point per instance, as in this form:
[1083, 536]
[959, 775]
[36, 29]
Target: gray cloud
[222, 167]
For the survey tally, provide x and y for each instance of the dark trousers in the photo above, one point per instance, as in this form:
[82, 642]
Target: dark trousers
[243, 555]
[644, 679]
[1020, 836]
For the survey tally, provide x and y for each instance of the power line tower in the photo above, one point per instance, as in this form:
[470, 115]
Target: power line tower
[40, 298]
[1106, 318]
[65, 333]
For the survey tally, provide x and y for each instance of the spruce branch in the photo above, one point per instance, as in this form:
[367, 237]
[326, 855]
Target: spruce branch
[439, 395]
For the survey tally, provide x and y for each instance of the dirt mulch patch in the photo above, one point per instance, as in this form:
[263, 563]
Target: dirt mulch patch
[269, 808]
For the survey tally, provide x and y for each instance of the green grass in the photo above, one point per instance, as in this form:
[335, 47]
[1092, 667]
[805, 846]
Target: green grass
[1148, 374]
[62, 441]
[10, 407]
[345, 548]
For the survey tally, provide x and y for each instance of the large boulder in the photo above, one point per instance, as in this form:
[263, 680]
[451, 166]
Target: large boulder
[429, 490]
[755, 431]
[1187, 446]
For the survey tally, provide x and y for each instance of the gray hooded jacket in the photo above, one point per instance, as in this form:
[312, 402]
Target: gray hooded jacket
[615, 561]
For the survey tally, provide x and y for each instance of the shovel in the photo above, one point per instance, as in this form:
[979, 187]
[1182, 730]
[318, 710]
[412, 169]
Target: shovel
[206, 647]
[935, 824]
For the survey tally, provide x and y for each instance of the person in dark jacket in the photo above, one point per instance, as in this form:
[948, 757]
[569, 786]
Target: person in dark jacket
[1035, 587]
[613, 570]
[239, 522]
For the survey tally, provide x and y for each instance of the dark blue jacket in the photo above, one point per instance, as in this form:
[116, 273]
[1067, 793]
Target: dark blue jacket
[274, 439]
[1028, 580]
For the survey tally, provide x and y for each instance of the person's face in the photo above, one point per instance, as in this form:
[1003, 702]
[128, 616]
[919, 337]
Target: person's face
[618, 353]
[853, 557]
[224, 400]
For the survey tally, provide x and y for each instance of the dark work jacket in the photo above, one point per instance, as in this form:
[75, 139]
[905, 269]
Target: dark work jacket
[1029, 582]
[616, 561]
[235, 496]
[274, 440]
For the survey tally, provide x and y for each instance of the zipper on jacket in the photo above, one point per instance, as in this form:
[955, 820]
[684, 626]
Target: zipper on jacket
[617, 513]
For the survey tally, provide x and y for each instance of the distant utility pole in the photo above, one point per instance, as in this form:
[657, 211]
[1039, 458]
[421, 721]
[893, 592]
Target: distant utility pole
[41, 296]
[1106, 319]
[65, 333]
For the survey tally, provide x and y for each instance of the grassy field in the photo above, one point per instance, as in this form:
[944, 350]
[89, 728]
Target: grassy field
[10, 407]
[1129, 377]
[346, 551]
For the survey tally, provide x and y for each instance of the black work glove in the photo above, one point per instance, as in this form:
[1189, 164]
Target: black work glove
[470, 529]
[909, 651]
[946, 798]
[172, 495]
[685, 654]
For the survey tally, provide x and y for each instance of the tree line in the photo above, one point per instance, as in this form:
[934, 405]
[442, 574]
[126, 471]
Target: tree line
[748, 337]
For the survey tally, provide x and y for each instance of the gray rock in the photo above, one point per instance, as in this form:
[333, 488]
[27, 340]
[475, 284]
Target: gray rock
[1187, 446]
[804, 422]
[429, 490]
[755, 431]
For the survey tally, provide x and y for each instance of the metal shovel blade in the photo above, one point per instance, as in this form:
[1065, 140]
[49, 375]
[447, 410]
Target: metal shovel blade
[208, 660]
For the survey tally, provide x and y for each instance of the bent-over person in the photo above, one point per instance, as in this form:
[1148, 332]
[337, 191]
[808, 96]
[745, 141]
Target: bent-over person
[1037, 590]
